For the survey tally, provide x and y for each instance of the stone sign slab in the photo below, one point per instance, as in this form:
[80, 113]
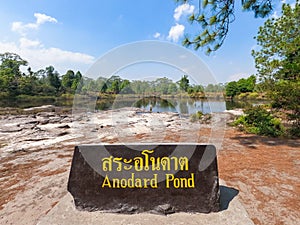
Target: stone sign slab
[132, 178]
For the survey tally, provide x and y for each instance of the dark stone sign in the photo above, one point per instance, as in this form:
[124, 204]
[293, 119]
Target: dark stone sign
[161, 178]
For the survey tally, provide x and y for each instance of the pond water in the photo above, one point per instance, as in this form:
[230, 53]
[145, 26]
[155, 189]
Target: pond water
[182, 106]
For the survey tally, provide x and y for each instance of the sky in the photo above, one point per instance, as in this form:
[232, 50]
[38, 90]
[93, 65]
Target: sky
[74, 34]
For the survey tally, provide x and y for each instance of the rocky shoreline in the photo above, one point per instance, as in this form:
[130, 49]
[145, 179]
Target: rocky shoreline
[41, 127]
[36, 150]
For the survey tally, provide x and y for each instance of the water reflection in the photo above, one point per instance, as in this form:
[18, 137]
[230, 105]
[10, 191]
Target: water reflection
[182, 106]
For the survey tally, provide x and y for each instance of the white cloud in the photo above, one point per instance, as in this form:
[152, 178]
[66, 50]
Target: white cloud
[22, 28]
[156, 35]
[176, 32]
[43, 18]
[26, 43]
[184, 9]
[39, 57]
[237, 76]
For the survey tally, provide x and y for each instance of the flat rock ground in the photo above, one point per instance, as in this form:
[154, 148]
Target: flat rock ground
[36, 152]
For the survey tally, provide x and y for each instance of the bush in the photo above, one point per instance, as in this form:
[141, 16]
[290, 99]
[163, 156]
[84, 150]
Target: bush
[258, 120]
[294, 131]
[242, 96]
[4, 95]
[253, 95]
[196, 116]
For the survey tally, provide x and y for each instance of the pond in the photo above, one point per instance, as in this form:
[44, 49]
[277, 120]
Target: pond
[182, 106]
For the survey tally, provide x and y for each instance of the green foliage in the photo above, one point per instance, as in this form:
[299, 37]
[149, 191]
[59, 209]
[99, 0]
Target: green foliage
[172, 88]
[53, 80]
[278, 56]
[71, 81]
[214, 88]
[184, 83]
[242, 96]
[232, 89]
[278, 62]
[10, 73]
[243, 85]
[48, 82]
[214, 18]
[11, 63]
[258, 120]
[196, 116]
[253, 95]
[286, 96]
[199, 116]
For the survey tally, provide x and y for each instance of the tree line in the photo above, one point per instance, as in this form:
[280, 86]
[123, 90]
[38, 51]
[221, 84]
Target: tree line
[44, 82]
[48, 82]
[277, 60]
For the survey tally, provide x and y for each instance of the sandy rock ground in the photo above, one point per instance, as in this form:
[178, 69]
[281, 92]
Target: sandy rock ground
[36, 152]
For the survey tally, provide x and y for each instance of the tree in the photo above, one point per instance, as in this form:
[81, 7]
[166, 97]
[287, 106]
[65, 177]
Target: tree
[214, 17]
[10, 73]
[243, 85]
[125, 87]
[11, 62]
[52, 79]
[232, 89]
[77, 82]
[278, 61]
[184, 83]
[172, 88]
[246, 85]
[214, 87]
[278, 56]
[115, 87]
[195, 89]
[68, 79]
[161, 85]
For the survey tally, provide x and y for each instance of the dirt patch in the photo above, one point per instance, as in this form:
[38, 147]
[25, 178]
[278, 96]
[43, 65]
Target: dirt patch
[14, 177]
[141, 136]
[109, 140]
[265, 174]
[52, 172]
[64, 156]
[171, 137]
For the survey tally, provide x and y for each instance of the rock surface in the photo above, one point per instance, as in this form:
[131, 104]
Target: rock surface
[35, 163]
[65, 213]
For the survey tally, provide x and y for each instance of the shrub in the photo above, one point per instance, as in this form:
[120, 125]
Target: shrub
[294, 131]
[242, 96]
[258, 120]
[253, 95]
[196, 116]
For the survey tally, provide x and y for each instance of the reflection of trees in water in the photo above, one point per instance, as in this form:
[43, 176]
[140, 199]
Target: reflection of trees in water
[34, 102]
[104, 104]
[166, 103]
[121, 103]
[156, 102]
[191, 102]
[183, 106]
[237, 104]
[144, 102]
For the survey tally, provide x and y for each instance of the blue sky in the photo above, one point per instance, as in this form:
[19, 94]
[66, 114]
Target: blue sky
[73, 34]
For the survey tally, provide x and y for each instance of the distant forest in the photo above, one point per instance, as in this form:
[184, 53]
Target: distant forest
[48, 82]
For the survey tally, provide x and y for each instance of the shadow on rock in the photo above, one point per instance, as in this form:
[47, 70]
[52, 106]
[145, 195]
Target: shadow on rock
[227, 194]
